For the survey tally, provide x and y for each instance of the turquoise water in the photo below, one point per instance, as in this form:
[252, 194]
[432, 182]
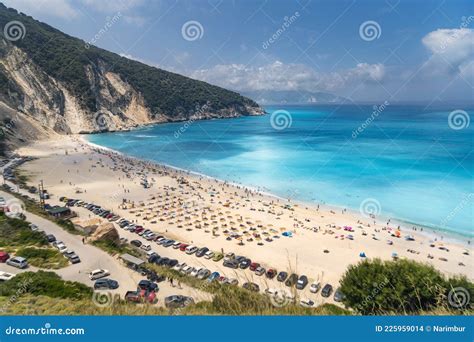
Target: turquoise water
[407, 162]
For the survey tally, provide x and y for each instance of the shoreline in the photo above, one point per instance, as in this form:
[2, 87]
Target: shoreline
[187, 207]
[427, 230]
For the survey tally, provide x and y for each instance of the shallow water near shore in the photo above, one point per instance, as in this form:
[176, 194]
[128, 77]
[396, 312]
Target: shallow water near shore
[405, 162]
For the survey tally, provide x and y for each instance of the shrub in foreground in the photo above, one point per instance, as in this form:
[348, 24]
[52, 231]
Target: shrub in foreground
[397, 287]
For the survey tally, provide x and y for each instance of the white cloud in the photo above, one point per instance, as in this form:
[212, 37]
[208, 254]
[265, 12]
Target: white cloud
[451, 50]
[281, 76]
[55, 8]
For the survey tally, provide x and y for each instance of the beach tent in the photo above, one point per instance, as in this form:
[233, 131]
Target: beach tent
[362, 255]
[289, 234]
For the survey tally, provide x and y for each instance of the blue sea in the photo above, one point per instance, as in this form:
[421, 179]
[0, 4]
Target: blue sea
[411, 163]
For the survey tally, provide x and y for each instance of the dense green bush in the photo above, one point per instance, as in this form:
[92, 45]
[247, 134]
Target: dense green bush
[44, 283]
[396, 287]
[15, 232]
[43, 257]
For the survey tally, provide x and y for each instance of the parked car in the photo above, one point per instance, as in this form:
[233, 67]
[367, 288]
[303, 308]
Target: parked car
[178, 267]
[106, 283]
[99, 273]
[191, 249]
[217, 257]
[183, 247]
[195, 272]
[186, 269]
[231, 263]
[302, 282]
[4, 256]
[259, 271]
[136, 243]
[146, 247]
[51, 238]
[168, 243]
[172, 263]
[282, 276]
[209, 255]
[213, 276]
[314, 288]
[251, 287]
[147, 285]
[178, 301]
[203, 273]
[338, 295]
[133, 296]
[271, 273]
[306, 303]
[73, 257]
[4, 276]
[17, 262]
[326, 291]
[202, 251]
[176, 245]
[253, 266]
[245, 263]
[292, 279]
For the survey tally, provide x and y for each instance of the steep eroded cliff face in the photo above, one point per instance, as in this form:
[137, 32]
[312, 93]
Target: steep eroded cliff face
[65, 86]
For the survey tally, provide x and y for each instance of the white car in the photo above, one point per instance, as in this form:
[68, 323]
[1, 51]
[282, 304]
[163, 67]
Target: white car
[34, 227]
[161, 240]
[195, 272]
[186, 269]
[178, 267]
[314, 288]
[306, 303]
[99, 273]
[146, 247]
[209, 255]
[176, 245]
[4, 276]
[191, 249]
[62, 249]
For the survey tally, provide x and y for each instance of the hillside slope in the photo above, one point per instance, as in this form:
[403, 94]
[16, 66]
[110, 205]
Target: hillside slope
[70, 87]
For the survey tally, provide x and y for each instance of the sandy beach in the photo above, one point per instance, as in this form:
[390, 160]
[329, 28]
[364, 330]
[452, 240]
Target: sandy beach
[320, 242]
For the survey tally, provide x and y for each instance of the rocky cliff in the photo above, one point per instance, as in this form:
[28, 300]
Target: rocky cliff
[60, 84]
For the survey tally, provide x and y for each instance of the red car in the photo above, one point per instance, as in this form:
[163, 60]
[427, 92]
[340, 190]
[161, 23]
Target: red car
[271, 273]
[4, 256]
[183, 246]
[254, 265]
[139, 229]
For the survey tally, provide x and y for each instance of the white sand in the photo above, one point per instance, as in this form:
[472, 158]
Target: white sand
[101, 177]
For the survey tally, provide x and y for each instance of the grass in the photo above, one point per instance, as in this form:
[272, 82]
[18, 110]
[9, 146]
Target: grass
[114, 248]
[34, 208]
[43, 257]
[44, 283]
[16, 237]
[16, 233]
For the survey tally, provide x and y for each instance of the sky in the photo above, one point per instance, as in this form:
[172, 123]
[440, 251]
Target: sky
[368, 51]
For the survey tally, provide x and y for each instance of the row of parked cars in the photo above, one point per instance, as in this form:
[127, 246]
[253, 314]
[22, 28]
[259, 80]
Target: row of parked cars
[300, 282]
